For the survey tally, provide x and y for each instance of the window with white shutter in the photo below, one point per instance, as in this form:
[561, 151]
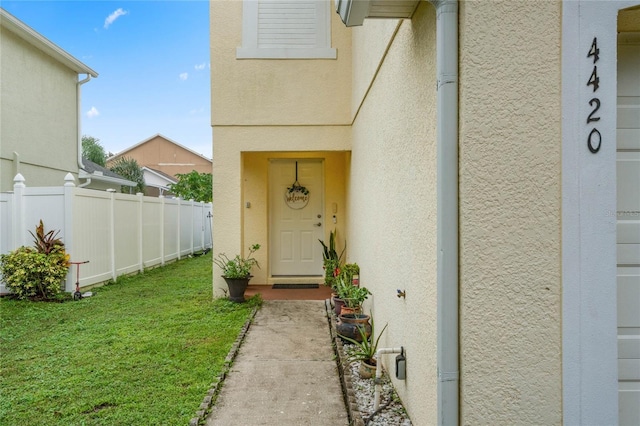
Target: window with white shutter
[286, 29]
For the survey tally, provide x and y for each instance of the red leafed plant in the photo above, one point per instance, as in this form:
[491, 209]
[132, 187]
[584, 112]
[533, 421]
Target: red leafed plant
[46, 243]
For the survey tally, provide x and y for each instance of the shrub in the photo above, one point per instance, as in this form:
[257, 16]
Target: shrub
[31, 274]
[36, 272]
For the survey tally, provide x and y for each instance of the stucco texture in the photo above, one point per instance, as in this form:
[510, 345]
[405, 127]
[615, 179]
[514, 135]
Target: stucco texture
[291, 92]
[240, 161]
[392, 195]
[275, 108]
[39, 115]
[510, 203]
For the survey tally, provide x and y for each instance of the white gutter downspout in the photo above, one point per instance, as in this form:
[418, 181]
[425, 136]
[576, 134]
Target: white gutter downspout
[79, 102]
[447, 177]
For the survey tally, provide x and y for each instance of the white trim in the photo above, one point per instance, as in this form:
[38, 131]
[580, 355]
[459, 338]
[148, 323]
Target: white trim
[281, 53]
[16, 26]
[589, 321]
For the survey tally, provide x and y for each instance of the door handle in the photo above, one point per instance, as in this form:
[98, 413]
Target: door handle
[317, 224]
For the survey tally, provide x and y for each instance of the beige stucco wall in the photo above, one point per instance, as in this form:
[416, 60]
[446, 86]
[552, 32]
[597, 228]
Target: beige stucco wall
[510, 204]
[237, 179]
[281, 108]
[291, 92]
[38, 115]
[392, 194]
[255, 178]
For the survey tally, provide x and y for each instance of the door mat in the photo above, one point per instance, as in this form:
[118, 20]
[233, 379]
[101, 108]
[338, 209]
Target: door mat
[293, 286]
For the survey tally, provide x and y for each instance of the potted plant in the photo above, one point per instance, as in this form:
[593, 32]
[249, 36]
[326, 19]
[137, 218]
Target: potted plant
[365, 351]
[237, 272]
[353, 297]
[331, 259]
[351, 272]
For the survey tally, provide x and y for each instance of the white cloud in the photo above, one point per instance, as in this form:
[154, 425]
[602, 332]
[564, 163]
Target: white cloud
[184, 76]
[93, 112]
[112, 18]
[200, 67]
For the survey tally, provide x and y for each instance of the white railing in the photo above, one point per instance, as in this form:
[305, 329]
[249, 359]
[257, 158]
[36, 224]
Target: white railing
[117, 233]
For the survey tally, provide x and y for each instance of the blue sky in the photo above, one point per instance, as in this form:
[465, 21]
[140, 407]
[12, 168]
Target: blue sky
[152, 60]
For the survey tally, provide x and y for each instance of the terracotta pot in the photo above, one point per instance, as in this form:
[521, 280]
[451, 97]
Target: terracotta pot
[350, 325]
[366, 369]
[337, 305]
[237, 286]
[347, 310]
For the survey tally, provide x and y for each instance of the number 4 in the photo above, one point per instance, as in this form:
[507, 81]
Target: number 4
[594, 51]
[594, 80]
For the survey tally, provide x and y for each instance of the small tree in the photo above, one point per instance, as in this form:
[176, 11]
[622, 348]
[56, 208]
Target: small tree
[93, 151]
[129, 169]
[193, 185]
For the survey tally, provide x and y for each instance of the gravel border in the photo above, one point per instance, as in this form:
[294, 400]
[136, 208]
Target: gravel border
[359, 393]
[212, 394]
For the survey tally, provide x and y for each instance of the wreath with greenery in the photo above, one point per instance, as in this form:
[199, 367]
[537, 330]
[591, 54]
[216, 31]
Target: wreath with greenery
[296, 187]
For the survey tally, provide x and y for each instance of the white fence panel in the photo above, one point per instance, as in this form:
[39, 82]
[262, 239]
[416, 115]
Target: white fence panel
[171, 229]
[6, 206]
[116, 233]
[128, 233]
[92, 230]
[152, 232]
[186, 227]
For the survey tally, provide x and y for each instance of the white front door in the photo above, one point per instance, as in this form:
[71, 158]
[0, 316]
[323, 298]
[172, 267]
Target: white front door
[628, 232]
[296, 225]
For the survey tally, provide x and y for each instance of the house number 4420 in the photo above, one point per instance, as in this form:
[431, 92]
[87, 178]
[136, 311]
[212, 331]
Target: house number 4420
[594, 140]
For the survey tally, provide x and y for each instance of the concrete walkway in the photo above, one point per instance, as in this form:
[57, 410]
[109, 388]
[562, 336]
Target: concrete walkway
[285, 372]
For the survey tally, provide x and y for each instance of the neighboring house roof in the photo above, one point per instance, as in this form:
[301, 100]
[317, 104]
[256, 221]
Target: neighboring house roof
[96, 172]
[13, 24]
[160, 174]
[158, 179]
[122, 153]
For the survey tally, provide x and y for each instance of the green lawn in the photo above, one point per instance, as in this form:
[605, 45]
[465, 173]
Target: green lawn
[142, 351]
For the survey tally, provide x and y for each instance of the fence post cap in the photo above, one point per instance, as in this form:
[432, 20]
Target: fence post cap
[18, 181]
[69, 180]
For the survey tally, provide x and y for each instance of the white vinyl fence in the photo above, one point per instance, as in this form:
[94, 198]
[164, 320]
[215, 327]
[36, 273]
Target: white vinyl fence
[117, 233]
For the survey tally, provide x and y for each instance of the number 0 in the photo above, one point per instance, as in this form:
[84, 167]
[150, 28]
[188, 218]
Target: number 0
[590, 141]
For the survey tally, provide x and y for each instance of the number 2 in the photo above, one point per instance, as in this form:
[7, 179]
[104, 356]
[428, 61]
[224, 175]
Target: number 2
[591, 118]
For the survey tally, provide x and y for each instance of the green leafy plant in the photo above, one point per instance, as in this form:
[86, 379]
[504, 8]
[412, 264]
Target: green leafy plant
[349, 270]
[330, 252]
[36, 273]
[33, 275]
[129, 169]
[193, 185]
[238, 267]
[92, 150]
[331, 259]
[367, 348]
[352, 295]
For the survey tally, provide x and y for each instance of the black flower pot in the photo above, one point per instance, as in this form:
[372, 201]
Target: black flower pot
[237, 286]
[350, 325]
